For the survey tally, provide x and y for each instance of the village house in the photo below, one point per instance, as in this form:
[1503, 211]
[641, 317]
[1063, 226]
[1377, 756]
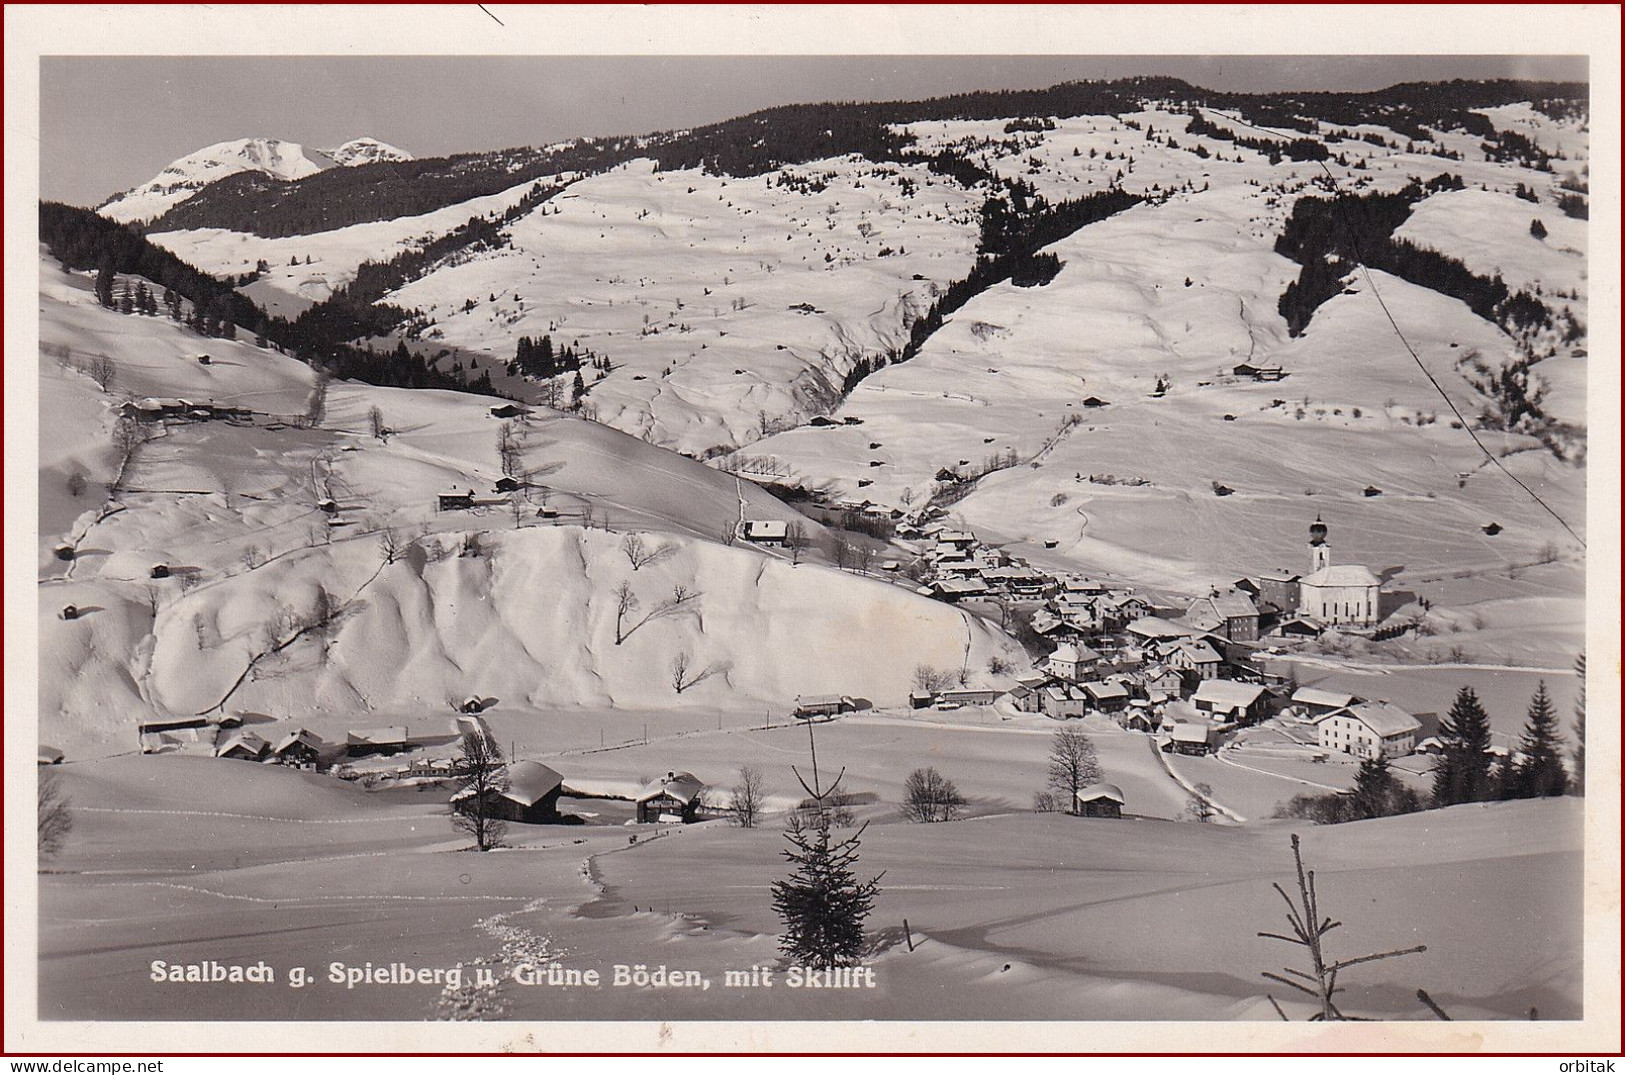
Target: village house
[1072, 661]
[822, 705]
[1100, 800]
[957, 589]
[921, 699]
[1230, 702]
[1259, 373]
[530, 797]
[1195, 656]
[1161, 682]
[1231, 614]
[455, 501]
[765, 531]
[1192, 739]
[1315, 703]
[1109, 697]
[1370, 730]
[1060, 701]
[242, 746]
[1341, 594]
[1274, 593]
[363, 742]
[959, 696]
[507, 410]
[1024, 698]
[157, 734]
[676, 800]
[299, 747]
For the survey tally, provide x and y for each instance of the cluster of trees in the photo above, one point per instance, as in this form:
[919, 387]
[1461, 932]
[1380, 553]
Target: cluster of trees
[1328, 237]
[1298, 149]
[320, 337]
[537, 358]
[1014, 227]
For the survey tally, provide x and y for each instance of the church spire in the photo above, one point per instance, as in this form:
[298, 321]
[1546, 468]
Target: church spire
[1320, 553]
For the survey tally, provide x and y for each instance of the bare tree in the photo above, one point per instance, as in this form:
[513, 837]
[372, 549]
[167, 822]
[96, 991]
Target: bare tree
[391, 544]
[253, 556]
[55, 817]
[103, 370]
[841, 553]
[746, 803]
[508, 454]
[639, 552]
[931, 679]
[1200, 807]
[1072, 766]
[1044, 802]
[1309, 930]
[863, 555]
[682, 672]
[626, 603]
[795, 539]
[928, 796]
[375, 423]
[316, 403]
[729, 533]
[483, 775]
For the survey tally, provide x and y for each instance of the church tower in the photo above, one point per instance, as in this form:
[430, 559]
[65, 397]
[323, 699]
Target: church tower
[1320, 553]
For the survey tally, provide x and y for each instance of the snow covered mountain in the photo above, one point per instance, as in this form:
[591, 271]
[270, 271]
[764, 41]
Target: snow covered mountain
[365, 151]
[183, 178]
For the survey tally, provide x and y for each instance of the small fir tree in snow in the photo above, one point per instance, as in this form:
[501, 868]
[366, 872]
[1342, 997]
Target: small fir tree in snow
[1463, 773]
[1540, 771]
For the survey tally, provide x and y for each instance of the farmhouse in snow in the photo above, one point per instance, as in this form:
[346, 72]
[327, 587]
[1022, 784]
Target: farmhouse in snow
[675, 800]
[1370, 730]
[765, 532]
[1100, 800]
[531, 796]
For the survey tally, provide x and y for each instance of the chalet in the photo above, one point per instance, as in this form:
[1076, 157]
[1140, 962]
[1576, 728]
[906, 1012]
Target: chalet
[456, 501]
[1231, 614]
[506, 484]
[362, 742]
[244, 746]
[1229, 702]
[1189, 739]
[1072, 661]
[921, 700]
[1100, 800]
[958, 589]
[507, 410]
[1316, 703]
[1156, 629]
[1195, 656]
[531, 796]
[822, 421]
[676, 800]
[1297, 627]
[822, 705]
[766, 532]
[1058, 701]
[1078, 584]
[1431, 745]
[968, 696]
[1108, 697]
[1258, 373]
[1372, 490]
[1095, 401]
[1491, 528]
[70, 612]
[1048, 625]
[50, 755]
[327, 506]
[1370, 730]
[204, 360]
[962, 539]
[1024, 698]
[1138, 717]
[298, 747]
[1160, 681]
[159, 571]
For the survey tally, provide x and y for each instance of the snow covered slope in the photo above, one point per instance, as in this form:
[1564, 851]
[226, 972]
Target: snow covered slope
[184, 177]
[512, 599]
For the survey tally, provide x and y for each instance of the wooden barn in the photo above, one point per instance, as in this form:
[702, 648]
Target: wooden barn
[822, 705]
[365, 741]
[243, 746]
[1100, 800]
[1189, 739]
[298, 747]
[675, 800]
[530, 798]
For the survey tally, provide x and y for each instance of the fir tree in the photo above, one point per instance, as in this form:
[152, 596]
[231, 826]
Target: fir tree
[578, 389]
[822, 903]
[1540, 771]
[1378, 793]
[1579, 753]
[1463, 774]
[126, 301]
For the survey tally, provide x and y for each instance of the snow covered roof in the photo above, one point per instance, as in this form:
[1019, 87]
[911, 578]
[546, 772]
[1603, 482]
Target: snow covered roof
[1383, 718]
[392, 734]
[298, 735]
[1073, 653]
[1199, 652]
[1155, 627]
[1342, 575]
[1316, 696]
[49, 755]
[766, 530]
[1096, 792]
[1103, 691]
[681, 786]
[1227, 693]
[1189, 733]
[529, 782]
[242, 740]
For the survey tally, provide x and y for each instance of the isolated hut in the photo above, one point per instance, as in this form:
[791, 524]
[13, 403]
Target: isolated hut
[1100, 800]
[675, 800]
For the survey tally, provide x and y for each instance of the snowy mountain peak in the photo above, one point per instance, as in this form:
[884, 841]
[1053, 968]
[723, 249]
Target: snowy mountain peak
[182, 178]
[366, 151]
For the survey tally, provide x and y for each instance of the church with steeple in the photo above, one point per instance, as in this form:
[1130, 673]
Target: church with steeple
[1337, 594]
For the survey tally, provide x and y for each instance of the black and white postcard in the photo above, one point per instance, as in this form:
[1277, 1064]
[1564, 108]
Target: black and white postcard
[1078, 527]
